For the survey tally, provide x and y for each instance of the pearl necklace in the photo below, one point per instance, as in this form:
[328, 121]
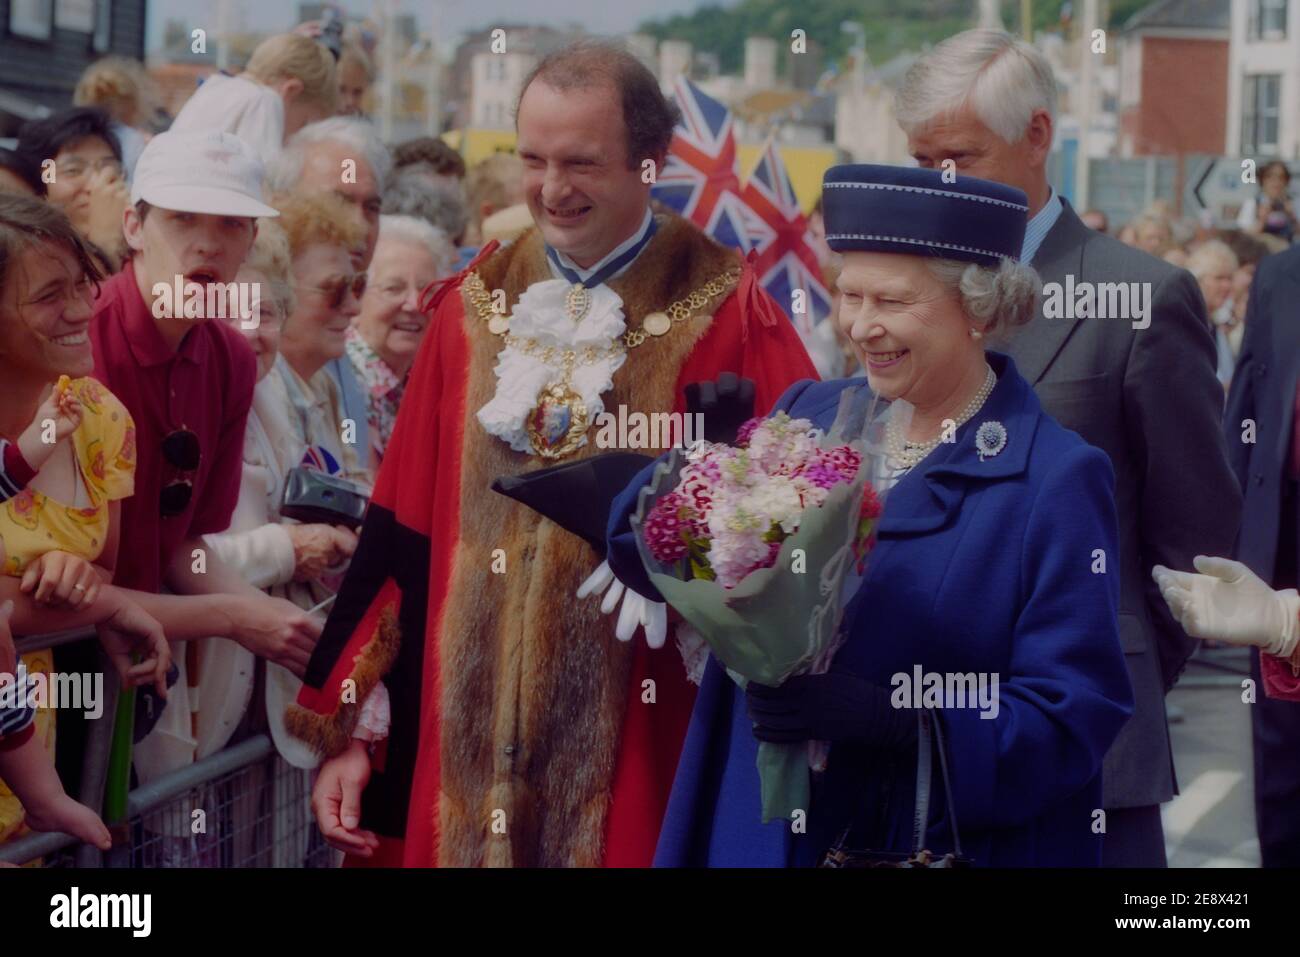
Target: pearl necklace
[908, 454]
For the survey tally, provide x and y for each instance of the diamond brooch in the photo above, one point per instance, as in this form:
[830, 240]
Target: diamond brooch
[990, 439]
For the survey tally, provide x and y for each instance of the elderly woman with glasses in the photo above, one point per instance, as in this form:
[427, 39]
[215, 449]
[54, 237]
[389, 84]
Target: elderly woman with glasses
[993, 572]
[327, 292]
[299, 423]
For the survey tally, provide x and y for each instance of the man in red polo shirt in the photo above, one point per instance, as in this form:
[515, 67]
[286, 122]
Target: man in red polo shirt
[188, 384]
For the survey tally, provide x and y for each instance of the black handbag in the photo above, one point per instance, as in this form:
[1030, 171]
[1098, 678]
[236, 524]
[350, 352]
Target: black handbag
[842, 855]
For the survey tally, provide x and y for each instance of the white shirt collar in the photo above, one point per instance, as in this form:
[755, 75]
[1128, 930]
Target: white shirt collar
[1036, 229]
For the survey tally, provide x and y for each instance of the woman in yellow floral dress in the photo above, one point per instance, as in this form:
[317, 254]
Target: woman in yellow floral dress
[58, 535]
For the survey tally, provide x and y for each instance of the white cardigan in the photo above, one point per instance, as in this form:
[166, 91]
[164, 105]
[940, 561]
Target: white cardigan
[257, 543]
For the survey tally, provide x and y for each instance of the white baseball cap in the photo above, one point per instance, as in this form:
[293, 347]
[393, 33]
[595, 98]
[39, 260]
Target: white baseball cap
[200, 171]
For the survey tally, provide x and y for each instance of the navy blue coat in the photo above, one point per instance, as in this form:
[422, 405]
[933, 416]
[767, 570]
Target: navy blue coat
[987, 566]
[1263, 391]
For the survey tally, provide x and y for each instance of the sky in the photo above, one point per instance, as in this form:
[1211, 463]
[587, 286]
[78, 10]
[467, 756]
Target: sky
[453, 16]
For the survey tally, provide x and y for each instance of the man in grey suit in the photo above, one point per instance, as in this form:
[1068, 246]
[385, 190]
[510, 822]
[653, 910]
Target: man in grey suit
[1128, 365]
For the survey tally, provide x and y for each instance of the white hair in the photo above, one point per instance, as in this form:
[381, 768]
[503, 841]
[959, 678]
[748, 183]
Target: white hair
[439, 200]
[996, 298]
[1003, 79]
[359, 135]
[1210, 254]
[418, 232]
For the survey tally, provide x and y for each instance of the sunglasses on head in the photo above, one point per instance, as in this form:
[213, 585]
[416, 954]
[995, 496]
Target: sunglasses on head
[180, 450]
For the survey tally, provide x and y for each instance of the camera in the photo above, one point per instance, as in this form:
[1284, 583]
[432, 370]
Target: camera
[311, 496]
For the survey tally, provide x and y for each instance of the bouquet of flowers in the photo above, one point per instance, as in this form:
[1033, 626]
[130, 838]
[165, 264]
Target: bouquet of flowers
[758, 545]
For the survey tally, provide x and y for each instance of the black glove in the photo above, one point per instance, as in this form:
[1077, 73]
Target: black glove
[830, 707]
[727, 405]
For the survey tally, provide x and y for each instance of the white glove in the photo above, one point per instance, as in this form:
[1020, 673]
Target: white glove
[636, 610]
[1230, 603]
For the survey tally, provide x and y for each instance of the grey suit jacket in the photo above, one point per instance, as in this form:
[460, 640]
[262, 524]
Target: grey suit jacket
[1148, 398]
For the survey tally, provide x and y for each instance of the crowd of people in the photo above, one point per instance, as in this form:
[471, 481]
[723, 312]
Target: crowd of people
[1222, 260]
[150, 456]
[176, 436]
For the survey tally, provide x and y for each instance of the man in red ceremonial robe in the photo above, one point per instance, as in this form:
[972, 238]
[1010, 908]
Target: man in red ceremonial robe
[522, 732]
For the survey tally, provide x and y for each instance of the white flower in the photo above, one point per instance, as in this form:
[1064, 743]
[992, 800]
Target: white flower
[775, 499]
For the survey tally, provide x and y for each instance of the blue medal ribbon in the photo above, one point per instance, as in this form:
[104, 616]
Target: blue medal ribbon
[610, 268]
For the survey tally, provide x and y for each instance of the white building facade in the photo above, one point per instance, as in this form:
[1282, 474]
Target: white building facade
[1264, 80]
[498, 77]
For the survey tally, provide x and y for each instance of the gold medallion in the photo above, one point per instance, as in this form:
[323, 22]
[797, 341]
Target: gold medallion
[577, 302]
[657, 323]
[498, 325]
[557, 422]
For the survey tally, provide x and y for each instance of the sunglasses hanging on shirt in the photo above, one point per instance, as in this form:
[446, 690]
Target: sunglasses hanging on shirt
[180, 450]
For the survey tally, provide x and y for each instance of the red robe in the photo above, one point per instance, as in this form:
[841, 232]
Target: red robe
[523, 733]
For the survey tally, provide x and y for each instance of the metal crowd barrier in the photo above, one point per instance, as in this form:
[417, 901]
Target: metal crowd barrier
[256, 807]
[253, 808]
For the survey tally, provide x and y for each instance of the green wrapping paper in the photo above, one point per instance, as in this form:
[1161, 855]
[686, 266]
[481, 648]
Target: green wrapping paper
[118, 782]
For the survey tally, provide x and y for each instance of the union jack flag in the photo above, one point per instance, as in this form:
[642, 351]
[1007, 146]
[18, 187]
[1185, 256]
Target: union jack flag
[699, 179]
[786, 260]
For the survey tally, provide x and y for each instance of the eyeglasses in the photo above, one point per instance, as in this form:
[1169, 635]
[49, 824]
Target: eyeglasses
[336, 290]
[181, 451]
[75, 167]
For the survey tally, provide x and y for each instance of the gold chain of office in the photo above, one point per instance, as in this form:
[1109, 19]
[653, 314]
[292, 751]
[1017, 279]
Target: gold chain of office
[654, 325]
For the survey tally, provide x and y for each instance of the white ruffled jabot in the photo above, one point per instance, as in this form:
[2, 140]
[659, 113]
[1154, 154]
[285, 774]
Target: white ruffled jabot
[541, 316]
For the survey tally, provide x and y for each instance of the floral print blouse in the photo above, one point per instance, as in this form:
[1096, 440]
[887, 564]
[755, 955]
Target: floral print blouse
[32, 524]
[383, 387]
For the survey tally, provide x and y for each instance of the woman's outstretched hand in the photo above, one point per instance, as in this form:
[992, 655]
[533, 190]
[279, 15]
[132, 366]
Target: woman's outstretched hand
[336, 801]
[1228, 602]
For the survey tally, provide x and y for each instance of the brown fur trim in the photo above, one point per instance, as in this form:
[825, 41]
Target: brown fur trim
[330, 734]
[534, 683]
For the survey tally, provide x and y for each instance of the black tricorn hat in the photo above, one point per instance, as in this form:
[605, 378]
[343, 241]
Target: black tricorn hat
[576, 495]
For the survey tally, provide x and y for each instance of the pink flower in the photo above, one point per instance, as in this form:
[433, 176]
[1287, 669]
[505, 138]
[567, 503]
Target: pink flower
[843, 459]
[731, 500]
[821, 475]
[668, 527]
[746, 430]
[870, 503]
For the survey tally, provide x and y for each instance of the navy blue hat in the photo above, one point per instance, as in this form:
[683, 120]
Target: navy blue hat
[898, 209]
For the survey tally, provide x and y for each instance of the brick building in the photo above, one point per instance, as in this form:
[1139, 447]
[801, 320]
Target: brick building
[1174, 79]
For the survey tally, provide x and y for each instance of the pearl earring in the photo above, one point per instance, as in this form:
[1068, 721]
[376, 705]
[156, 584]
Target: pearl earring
[976, 334]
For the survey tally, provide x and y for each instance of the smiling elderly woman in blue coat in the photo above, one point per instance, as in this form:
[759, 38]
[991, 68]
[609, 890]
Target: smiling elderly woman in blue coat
[995, 557]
